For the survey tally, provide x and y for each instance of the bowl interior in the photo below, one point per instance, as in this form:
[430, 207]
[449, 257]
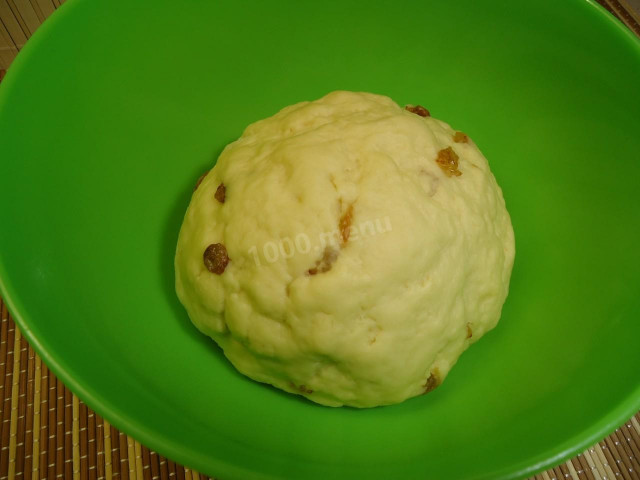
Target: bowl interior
[114, 109]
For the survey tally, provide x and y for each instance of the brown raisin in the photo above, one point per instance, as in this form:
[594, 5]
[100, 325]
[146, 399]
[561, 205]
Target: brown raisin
[220, 193]
[301, 388]
[345, 224]
[469, 331]
[324, 264]
[447, 160]
[460, 137]
[199, 181]
[432, 382]
[216, 258]
[418, 110]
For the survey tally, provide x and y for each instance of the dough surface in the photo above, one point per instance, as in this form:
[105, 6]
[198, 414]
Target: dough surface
[367, 247]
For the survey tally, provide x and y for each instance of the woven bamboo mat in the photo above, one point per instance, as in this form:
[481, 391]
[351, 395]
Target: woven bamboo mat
[46, 432]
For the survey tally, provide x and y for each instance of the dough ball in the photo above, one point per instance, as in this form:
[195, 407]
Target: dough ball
[346, 249]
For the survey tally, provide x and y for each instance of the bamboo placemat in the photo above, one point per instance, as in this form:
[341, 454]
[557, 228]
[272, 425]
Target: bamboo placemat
[48, 433]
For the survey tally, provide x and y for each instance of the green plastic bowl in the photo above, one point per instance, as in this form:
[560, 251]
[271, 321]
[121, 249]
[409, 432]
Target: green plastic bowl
[113, 110]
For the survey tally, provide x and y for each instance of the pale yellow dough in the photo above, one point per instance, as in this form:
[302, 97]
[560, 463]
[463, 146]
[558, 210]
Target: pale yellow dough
[424, 273]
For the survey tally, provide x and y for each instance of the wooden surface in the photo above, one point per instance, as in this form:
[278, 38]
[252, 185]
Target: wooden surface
[46, 432]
